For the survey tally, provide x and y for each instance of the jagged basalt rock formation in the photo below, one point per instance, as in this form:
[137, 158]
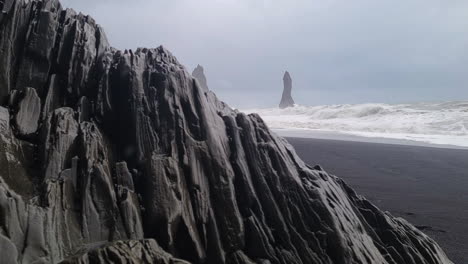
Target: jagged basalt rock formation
[286, 98]
[133, 162]
[199, 74]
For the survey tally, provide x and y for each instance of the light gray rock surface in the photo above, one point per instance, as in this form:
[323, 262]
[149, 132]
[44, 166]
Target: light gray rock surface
[130, 150]
[286, 98]
[28, 112]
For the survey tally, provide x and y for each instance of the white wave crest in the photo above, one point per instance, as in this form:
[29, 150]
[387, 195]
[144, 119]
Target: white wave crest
[437, 123]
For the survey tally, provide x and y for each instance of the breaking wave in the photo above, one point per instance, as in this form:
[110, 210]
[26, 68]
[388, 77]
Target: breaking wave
[436, 123]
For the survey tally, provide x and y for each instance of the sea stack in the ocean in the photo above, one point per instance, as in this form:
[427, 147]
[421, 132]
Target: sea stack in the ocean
[286, 99]
[132, 161]
[199, 75]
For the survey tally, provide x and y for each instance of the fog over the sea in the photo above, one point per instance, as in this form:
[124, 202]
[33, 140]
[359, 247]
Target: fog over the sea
[337, 51]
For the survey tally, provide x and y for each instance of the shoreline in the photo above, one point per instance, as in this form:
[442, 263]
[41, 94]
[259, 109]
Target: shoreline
[342, 136]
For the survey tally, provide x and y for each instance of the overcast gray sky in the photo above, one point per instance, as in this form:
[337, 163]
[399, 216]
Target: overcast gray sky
[337, 51]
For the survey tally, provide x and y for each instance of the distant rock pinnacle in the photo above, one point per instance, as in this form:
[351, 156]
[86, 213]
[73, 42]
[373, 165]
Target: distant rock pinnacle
[199, 74]
[286, 99]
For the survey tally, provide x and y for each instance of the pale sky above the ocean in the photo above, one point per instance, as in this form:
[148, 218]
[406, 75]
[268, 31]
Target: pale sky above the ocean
[337, 51]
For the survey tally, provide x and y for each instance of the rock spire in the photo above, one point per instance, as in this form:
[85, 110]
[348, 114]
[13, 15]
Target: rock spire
[286, 99]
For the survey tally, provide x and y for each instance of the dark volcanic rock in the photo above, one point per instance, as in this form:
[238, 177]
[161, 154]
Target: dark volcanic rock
[131, 150]
[286, 99]
[130, 252]
[199, 75]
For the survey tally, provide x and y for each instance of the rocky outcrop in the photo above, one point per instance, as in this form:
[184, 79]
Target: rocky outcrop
[130, 150]
[199, 74]
[286, 99]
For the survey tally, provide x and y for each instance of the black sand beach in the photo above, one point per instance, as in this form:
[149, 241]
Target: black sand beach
[427, 186]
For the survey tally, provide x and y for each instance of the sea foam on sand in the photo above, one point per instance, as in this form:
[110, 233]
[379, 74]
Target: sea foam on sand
[435, 123]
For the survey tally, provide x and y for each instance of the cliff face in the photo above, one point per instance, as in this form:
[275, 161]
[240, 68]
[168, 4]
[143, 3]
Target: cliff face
[111, 156]
[286, 98]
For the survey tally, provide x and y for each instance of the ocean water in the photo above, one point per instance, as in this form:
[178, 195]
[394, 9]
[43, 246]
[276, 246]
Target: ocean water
[443, 123]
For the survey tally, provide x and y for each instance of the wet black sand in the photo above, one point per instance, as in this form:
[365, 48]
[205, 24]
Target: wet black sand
[427, 186]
